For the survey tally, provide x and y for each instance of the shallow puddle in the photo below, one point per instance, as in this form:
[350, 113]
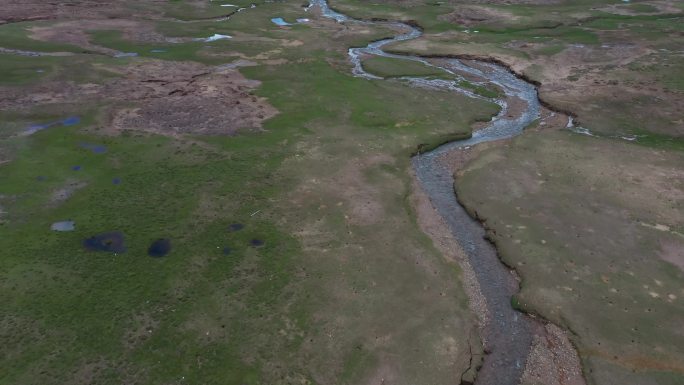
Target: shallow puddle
[63, 226]
[215, 37]
[95, 148]
[280, 21]
[112, 242]
[125, 54]
[236, 227]
[256, 242]
[70, 121]
[159, 248]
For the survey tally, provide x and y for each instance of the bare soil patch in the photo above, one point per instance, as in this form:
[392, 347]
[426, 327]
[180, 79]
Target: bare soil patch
[14, 11]
[190, 98]
[62, 194]
[163, 97]
[365, 202]
[473, 15]
[76, 32]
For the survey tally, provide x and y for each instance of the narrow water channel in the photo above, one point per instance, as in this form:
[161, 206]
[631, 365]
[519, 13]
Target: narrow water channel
[508, 333]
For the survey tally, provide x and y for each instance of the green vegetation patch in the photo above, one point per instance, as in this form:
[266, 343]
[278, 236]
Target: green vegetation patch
[248, 306]
[390, 67]
[22, 70]
[593, 257]
[16, 36]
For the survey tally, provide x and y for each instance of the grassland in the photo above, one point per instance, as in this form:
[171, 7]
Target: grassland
[388, 67]
[391, 68]
[345, 288]
[593, 227]
[344, 285]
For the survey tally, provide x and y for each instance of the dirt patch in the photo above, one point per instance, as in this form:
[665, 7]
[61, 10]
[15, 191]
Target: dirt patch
[89, 372]
[142, 327]
[76, 32]
[363, 201]
[470, 15]
[658, 7]
[189, 98]
[168, 98]
[62, 194]
[672, 251]
[14, 11]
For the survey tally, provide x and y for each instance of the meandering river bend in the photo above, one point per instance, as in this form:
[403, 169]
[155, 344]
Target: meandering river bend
[508, 334]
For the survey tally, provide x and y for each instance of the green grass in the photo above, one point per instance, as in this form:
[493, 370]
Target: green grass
[182, 51]
[550, 50]
[555, 236]
[486, 91]
[391, 68]
[16, 36]
[22, 70]
[642, 8]
[19, 70]
[243, 318]
[660, 141]
[325, 185]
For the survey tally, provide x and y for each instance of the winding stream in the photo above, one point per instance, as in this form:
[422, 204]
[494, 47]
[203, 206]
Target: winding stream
[508, 333]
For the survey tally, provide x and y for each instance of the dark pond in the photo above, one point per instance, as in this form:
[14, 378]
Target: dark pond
[112, 242]
[236, 227]
[159, 248]
[256, 242]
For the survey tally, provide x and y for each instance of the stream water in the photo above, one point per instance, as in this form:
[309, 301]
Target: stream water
[508, 333]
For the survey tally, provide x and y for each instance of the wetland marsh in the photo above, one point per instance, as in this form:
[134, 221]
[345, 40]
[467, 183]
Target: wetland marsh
[393, 192]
